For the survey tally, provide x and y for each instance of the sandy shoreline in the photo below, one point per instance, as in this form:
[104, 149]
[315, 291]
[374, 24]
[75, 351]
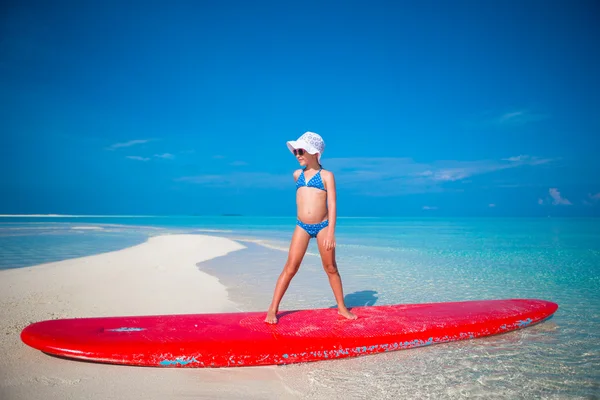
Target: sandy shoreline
[156, 277]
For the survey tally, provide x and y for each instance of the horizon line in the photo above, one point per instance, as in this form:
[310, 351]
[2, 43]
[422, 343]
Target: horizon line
[422, 215]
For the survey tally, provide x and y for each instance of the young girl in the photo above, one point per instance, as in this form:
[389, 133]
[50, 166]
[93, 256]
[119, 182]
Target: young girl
[316, 214]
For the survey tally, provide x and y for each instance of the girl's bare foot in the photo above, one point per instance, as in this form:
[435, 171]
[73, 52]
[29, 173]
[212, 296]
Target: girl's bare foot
[344, 312]
[271, 317]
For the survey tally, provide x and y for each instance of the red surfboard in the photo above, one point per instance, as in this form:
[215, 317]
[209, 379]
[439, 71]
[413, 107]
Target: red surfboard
[244, 339]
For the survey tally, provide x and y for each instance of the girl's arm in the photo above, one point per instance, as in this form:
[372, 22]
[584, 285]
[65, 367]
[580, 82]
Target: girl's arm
[331, 209]
[297, 174]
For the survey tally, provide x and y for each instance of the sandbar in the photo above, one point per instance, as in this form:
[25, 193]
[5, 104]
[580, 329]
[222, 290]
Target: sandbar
[156, 277]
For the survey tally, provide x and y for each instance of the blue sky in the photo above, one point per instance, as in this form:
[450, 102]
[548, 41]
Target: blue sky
[436, 108]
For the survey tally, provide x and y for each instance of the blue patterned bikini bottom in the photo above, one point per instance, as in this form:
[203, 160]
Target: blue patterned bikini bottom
[313, 229]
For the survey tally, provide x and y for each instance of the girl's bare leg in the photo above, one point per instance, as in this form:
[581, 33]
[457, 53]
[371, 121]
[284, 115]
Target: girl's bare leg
[298, 247]
[330, 266]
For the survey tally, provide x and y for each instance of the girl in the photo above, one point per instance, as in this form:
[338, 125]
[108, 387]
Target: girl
[316, 215]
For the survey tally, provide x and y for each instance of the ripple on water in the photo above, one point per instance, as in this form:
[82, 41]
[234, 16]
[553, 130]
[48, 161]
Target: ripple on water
[416, 263]
[556, 359]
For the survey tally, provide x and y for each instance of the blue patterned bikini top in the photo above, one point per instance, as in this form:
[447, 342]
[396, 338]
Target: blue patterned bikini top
[315, 181]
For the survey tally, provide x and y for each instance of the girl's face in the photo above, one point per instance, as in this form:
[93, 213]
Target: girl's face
[304, 157]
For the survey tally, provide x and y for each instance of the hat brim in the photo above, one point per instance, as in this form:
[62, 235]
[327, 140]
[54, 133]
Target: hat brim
[301, 144]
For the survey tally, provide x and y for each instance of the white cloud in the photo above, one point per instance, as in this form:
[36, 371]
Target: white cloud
[516, 158]
[511, 115]
[506, 120]
[430, 208]
[519, 118]
[594, 198]
[491, 205]
[450, 174]
[128, 144]
[390, 176]
[165, 155]
[138, 158]
[383, 176]
[529, 160]
[555, 198]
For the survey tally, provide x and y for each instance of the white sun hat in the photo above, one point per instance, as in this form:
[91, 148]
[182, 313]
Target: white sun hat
[309, 141]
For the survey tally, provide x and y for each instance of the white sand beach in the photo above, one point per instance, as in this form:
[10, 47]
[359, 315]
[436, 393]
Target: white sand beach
[157, 277]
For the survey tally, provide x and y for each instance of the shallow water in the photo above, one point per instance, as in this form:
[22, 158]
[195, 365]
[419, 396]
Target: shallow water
[408, 261]
[32, 244]
[559, 358]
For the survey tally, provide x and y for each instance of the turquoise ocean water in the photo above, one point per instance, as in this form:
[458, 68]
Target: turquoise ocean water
[389, 261]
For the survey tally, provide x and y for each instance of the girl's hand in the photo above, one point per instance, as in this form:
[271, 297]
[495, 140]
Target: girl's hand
[329, 242]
